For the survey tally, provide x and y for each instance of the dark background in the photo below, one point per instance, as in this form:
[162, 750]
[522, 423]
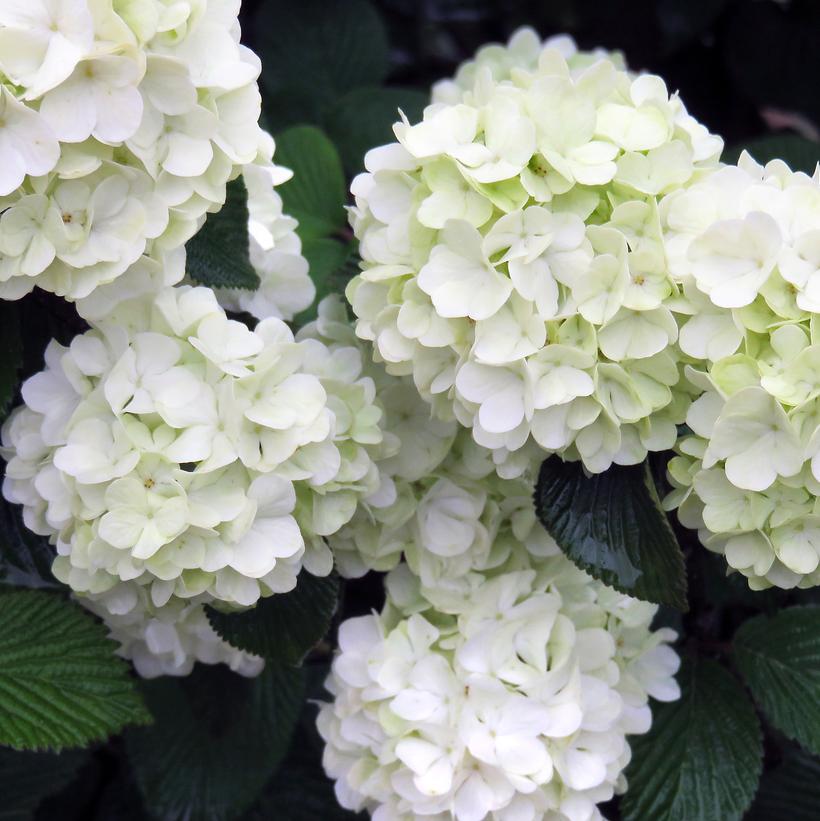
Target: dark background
[745, 68]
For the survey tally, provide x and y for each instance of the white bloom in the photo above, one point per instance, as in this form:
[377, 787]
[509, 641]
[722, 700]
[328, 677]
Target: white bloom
[174, 448]
[129, 121]
[166, 640]
[487, 241]
[517, 702]
[27, 143]
[740, 242]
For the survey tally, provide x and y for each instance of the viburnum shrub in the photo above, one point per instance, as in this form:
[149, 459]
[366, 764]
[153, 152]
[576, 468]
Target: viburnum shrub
[404, 469]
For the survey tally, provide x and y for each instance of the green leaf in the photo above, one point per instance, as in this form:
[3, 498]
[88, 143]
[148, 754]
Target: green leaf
[797, 152]
[60, 683]
[300, 790]
[332, 266]
[218, 254]
[319, 49]
[611, 524]
[780, 659]
[27, 778]
[11, 354]
[789, 791]
[286, 626]
[216, 740]
[316, 193]
[364, 117]
[701, 760]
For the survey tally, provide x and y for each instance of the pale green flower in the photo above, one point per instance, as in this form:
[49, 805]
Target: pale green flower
[522, 213]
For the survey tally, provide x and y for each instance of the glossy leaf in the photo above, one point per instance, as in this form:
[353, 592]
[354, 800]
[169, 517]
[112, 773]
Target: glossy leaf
[286, 626]
[316, 193]
[611, 524]
[216, 741]
[780, 659]
[703, 756]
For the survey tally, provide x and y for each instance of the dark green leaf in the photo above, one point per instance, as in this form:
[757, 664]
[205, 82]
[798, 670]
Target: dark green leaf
[286, 626]
[797, 152]
[316, 193]
[363, 118]
[780, 659]
[218, 255]
[701, 760]
[11, 354]
[216, 740]
[60, 683]
[791, 791]
[319, 49]
[300, 790]
[27, 778]
[332, 265]
[611, 524]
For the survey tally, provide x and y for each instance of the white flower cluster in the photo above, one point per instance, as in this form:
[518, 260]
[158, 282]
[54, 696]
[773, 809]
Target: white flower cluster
[175, 448]
[516, 704]
[500, 681]
[166, 640]
[513, 260]
[744, 245]
[275, 251]
[120, 125]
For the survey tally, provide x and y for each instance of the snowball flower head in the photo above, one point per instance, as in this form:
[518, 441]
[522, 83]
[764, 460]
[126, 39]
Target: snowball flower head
[743, 246]
[166, 640]
[517, 704]
[175, 448]
[513, 262]
[120, 126]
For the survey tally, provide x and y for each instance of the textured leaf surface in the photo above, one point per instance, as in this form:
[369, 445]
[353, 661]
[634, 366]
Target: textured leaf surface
[363, 118]
[60, 683]
[216, 741]
[702, 758]
[27, 778]
[300, 790]
[780, 660]
[611, 524]
[218, 255]
[283, 627]
[316, 193]
[317, 49]
[791, 791]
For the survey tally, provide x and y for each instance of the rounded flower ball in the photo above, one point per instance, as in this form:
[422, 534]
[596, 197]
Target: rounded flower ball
[517, 704]
[513, 260]
[744, 247]
[119, 128]
[166, 640]
[175, 448]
